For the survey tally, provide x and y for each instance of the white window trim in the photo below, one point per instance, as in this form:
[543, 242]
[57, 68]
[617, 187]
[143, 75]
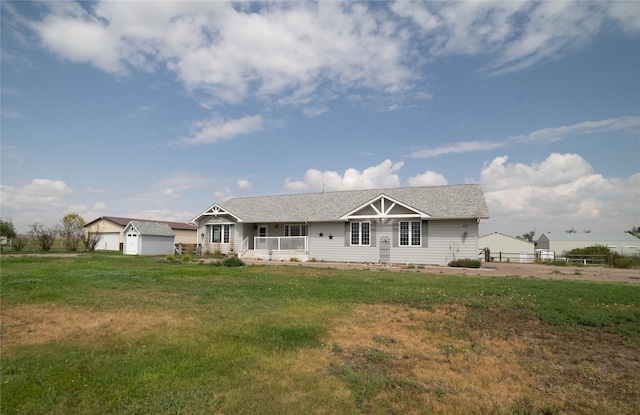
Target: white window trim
[223, 233]
[303, 229]
[359, 223]
[410, 234]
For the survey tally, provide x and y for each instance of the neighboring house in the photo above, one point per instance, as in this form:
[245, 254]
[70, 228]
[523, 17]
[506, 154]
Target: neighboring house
[148, 238]
[505, 248]
[418, 225]
[622, 243]
[111, 227]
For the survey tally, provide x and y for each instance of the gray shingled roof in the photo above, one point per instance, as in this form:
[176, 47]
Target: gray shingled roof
[439, 202]
[152, 228]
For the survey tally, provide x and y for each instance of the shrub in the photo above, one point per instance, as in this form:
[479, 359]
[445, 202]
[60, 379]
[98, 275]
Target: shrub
[170, 258]
[232, 261]
[465, 263]
[293, 259]
[186, 258]
[625, 263]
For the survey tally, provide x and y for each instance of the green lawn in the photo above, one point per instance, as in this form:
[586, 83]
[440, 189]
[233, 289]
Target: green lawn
[113, 334]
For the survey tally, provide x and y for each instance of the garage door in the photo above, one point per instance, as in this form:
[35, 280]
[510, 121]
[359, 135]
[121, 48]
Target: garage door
[109, 242]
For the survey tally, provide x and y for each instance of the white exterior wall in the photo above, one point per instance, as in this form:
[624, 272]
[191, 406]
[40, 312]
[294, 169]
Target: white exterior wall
[109, 242]
[507, 248]
[621, 247]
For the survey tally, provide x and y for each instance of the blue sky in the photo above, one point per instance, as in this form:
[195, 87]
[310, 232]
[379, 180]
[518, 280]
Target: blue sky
[157, 110]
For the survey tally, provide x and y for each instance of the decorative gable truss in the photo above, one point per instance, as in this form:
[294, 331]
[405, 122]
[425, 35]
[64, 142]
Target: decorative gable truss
[384, 207]
[409, 225]
[217, 213]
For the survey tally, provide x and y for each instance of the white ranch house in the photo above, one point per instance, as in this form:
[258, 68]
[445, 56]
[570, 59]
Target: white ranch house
[417, 225]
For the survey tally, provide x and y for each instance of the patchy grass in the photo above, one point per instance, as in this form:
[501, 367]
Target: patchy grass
[104, 333]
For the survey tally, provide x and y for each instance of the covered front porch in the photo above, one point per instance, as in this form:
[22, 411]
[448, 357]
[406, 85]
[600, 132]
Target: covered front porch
[276, 248]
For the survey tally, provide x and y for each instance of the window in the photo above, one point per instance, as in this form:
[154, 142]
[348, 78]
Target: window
[220, 234]
[295, 230]
[360, 233]
[410, 233]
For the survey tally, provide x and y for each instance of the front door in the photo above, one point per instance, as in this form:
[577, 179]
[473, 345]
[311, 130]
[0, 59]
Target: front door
[385, 249]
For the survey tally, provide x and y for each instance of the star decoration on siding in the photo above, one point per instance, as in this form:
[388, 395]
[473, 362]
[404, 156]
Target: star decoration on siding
[321, 234]
[330, 236]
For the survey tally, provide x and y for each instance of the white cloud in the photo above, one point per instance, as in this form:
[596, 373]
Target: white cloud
[304, 51]
[550, 135]
[383, 175]
[218, 129]
[543, 136]
[428, 178]
[7, 113]
[561, 192]
[172, 187]
[245, 185]
[232, 51]
[461, 147]
[99, 207]
[312, 112]
[42, 200]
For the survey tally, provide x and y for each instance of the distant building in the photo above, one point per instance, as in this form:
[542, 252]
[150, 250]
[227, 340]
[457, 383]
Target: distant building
[622, 243]
[506, 248]
[111, 232]
[148, 238]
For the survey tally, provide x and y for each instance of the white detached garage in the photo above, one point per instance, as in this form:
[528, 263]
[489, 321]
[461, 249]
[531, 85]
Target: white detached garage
[148, 238]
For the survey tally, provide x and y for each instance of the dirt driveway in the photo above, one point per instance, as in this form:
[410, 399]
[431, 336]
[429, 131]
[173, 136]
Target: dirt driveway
[493, 269]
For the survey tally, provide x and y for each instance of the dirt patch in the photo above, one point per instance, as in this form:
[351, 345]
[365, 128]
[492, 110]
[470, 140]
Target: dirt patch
[481, 361]
[491, 269]
[35, 324]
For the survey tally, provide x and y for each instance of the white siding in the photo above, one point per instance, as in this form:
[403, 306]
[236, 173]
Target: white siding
[109, 242]
[445, 242]
[507, 248]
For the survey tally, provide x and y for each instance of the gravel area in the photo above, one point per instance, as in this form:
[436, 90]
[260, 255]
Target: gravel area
[492, 269]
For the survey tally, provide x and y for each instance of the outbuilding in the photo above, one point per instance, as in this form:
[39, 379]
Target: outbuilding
[622, 243]
[504, 248]
[110, 229]
[148, 238]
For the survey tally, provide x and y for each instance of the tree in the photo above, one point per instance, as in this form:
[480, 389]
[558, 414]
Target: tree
[527, 236]
[91, 239]
[635, 231]
[71, 231]
[7, 229]
[572, 230]
[44, 237]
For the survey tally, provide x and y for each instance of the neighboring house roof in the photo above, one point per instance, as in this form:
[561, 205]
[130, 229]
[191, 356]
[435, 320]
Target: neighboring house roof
[592, 237]
[151, 228]
[435, 202]
[177, 226]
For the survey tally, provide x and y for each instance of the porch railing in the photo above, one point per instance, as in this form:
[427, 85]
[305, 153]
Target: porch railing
[281, 243]
[245, 246]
